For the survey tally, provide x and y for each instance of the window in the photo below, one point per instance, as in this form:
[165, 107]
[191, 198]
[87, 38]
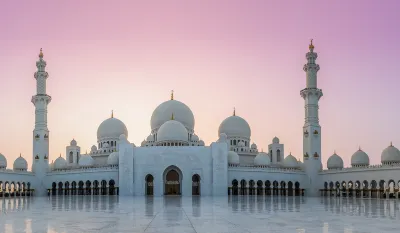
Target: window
[270, 155]
[278, 155]
[71, 157]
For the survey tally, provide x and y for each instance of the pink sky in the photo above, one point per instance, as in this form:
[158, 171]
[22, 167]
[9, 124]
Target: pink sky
[216, 55]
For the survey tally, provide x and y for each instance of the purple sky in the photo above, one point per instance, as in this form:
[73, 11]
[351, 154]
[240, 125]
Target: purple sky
[216, 55]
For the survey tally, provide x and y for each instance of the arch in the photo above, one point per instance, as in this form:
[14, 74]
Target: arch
[53, 188]
[278, 155]
[172, 177]
[71, 157]
[251, 187]
[297, 188]
[149, 179]
[66, 186]
[374, 191]
[103, 187]
[235, 189]
[195, 184]
[60, 188]
[88, 187]
[290, 188]
[111, 187]
[73, 184]
[243, 186]
[96, 187]
[391, 188]
[80, 187]
[283, 188]
[275, 185]
[267, 187]
[259, 187]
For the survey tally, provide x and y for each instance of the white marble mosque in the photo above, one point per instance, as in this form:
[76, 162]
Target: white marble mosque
[173, 160]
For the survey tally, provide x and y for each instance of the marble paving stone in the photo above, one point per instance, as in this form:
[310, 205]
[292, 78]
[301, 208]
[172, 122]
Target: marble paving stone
[238, 214]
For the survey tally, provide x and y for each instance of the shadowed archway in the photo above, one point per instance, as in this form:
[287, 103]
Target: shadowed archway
[172, 177]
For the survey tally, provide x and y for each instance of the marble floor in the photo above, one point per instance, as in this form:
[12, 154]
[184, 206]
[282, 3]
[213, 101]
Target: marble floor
[73, 214]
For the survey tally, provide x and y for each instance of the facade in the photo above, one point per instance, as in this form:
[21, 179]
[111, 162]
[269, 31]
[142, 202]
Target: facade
[173, 160]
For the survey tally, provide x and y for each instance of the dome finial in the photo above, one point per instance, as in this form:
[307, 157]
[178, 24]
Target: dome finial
[262, 150]
[20, 155]
[60, 155]
[86, 152]
[311, 46]
[41, 53]
[334, 151]
[172, 94]
[391, 144]
[112, 113]
[234, 111]
[359, 147]
[172, 116]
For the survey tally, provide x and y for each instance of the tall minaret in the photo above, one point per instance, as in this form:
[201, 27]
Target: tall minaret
[311, 128]
[40, 162]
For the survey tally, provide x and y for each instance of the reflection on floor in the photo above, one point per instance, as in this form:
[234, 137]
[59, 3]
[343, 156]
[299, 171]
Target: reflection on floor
[73, 214]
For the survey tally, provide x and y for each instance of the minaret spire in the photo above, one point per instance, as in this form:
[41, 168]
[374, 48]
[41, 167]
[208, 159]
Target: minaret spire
[311, 129]
[41, 138]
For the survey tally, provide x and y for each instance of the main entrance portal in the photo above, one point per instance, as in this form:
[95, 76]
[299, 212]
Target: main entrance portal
[172, 183]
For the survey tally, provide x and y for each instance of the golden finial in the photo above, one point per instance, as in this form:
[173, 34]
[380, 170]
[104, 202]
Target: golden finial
[311, 46]
[172, 116]
[391, 144]
[172, 94]
[60, 155]
[41, 53]
[20, 155]
[234, 111]
[334, 151]
[359, 147]
[86, 151]
[262, 150]
[112, 113]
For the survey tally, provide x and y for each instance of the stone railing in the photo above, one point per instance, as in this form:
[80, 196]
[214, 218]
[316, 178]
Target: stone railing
[264, 168]
[361, 168]
[86, 169]
[18, 172]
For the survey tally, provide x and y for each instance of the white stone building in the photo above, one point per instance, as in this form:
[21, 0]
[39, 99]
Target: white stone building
[173, 160]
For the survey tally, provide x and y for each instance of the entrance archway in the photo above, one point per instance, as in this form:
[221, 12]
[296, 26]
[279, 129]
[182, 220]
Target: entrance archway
[172, 181]
[149, 185]
[195, 184]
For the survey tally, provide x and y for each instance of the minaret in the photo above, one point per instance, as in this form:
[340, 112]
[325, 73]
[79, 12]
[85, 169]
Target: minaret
[40, 162]
[311, 129]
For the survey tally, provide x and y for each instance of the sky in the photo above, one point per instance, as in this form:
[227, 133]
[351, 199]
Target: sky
[127, 56]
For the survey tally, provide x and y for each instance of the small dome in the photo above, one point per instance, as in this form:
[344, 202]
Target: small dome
[290, 162]
[3, 161]
[150, 138]
[195, 138]
[222, 138]
[390, 155]
[20, 164]
[93, 148]
[235, 126]
[254, 146]
[335, 162]
[359, 158]
[73, 143]
[201, 143]
[163, 113]
[144, 142]
[60, 163]
[233, 158]
[262, 159]
[122, 137]
[106, 145]
[111, 128]
[86, 161]
[275, 140]
[241, 144]
[172, 130]
[113, 159]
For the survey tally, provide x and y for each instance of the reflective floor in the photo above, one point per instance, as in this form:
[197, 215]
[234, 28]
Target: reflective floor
[115, 214]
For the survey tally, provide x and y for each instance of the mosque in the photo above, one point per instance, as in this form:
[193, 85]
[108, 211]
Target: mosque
[173, 160]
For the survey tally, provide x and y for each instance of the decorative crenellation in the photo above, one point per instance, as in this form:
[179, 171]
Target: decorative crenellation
[306, 133]
[316, 155]
[306, 156]
[37, 157]
[311, 91]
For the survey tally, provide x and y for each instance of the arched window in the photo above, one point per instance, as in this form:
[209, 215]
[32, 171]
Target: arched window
[71, 157]
[278, 155]
[245, 143]
[234, 142]
[112, 143]
[270, 155]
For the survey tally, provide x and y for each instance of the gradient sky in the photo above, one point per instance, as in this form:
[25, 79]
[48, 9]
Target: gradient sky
[216, 55]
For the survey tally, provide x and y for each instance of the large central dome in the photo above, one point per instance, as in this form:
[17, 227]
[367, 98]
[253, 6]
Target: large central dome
[181, 111]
